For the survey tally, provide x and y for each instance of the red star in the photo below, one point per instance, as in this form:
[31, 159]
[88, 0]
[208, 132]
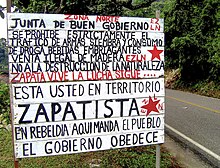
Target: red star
[151, 106]
[155, 53]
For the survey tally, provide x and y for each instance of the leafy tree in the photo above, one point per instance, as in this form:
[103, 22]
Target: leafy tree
[210, 27]
[81, 7]
[145, 10]
[192, 39]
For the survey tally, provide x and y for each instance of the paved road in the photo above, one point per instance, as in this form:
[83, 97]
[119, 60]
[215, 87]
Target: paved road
[196, 117]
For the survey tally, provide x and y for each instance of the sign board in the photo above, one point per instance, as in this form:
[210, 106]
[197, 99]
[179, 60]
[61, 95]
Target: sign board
[85, 83]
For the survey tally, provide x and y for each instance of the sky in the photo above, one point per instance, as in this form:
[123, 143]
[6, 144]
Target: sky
[3, 26]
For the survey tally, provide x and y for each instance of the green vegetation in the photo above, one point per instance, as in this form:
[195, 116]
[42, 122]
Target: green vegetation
[4, 104]
[129, 157]
[3, 56]
[193, 44]
[205, 88]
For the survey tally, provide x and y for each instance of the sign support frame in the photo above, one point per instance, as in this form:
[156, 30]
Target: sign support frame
[16, 162]
[157, 156]
[158, 146]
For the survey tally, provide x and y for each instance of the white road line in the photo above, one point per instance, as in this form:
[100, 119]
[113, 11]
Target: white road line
[194, 142]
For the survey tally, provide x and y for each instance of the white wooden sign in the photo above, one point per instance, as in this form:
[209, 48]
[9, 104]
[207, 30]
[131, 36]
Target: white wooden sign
[87, 144]
[85, 91]
[81, 110]
[50, 23]
[85, 83]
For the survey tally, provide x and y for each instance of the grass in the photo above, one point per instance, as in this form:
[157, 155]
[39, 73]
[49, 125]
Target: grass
[135, 157]
[210, 89]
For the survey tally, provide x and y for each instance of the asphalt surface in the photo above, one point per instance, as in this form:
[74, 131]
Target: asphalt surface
[184, 156]
[196, 117]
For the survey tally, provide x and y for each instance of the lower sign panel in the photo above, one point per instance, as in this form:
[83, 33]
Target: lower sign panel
[87, 144]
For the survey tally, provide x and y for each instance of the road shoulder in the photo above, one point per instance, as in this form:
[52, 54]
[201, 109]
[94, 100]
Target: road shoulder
[185, 157]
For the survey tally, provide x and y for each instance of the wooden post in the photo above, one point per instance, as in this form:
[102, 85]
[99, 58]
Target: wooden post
[157, 156]
[8, 6]
[158, 146]
[16, 163]
[158, 14]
